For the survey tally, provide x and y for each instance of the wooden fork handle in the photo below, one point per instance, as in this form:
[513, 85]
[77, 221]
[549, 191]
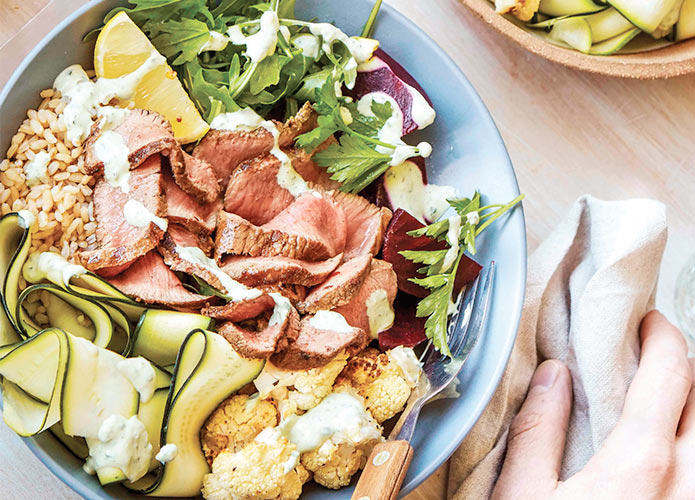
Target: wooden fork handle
[383, 475]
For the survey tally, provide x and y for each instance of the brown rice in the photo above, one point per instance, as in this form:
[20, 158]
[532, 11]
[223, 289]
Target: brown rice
[62, 203]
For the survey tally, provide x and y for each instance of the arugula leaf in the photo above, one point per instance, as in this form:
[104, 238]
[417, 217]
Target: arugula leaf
[267, 73]
[208, 97]
[231, 8]
[352, 162]
[181, 41]
[436, 306]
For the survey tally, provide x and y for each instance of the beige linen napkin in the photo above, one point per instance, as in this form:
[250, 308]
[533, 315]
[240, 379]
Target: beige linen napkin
[589, 285]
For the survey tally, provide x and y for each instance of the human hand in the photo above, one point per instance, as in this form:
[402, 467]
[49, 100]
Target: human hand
[649, 455]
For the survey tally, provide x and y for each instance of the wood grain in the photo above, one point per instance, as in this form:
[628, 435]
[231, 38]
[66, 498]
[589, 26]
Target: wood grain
[568, 133]
[386, 468]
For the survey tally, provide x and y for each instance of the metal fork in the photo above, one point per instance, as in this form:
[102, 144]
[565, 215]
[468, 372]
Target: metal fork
[389, 461]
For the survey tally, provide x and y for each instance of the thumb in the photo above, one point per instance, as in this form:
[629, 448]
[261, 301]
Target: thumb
[537, 435]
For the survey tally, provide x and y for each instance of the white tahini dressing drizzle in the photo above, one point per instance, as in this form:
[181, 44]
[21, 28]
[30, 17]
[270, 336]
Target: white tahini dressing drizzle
[35, 169]
[26, 219]
[215, 42]
[248, 120]
[167, 453]
[309, 45]
[111, 149]
[51, 266]
[452, 236]
[84, 97]
[379, 312]
[121, 443]
[289, 464]
[136, 214]
[330, 321]
[406, 361]
[406, 190]
[262, 43]
[111, 117]
[340, 417]
[235, 290]
[392, 131]
[281, 309]
[140, 374]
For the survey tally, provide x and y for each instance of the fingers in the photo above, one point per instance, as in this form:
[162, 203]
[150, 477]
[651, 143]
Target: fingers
[537, 436]
[687, 422]
[655, 400]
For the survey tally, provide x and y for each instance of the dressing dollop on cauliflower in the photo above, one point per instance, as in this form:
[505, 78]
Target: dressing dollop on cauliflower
[384, 380]
[300, 390]
[266, 468]
[235, 423]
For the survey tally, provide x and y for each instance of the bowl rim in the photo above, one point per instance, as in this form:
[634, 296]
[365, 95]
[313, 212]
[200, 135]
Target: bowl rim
[667, 62]
[504, 350]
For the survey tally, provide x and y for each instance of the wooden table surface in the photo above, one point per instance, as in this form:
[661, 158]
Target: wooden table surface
[568, 133]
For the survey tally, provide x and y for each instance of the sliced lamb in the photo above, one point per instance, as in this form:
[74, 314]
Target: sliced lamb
[294, 293]
[319, 341]
[195, 176]
[253, 192]
[183, 209]
[311, 228]
[225, 150]
[255, 271]
[149, 280]
[240, 311]
[119, 242]
[366, 224]
[178, 236]
[262, 344]
[340, 287]
[372, 307]
[144, 133]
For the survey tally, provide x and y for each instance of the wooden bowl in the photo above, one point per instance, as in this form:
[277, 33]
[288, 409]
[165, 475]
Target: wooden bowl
[672, 60]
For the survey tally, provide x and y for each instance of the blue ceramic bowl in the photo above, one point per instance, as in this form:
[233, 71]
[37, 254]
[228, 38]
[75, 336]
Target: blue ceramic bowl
[468, 154]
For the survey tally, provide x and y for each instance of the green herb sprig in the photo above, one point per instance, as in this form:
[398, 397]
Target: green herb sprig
[440, 276]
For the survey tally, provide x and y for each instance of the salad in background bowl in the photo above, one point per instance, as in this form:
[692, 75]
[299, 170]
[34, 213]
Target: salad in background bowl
[204, 236]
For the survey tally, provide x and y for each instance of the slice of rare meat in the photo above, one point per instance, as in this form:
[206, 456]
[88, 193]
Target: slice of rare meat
[253, 192]
[119, 242]
[366, 224]
[372, 307]
[294, 293]
[240, 311]
[149, 280]
[183, 209]
[195, 176]
[311, 228]
[262, 344]
[339, 288]
[225, 150]
[144, 134]
[178, 236]
[255, 271]
[316, 345]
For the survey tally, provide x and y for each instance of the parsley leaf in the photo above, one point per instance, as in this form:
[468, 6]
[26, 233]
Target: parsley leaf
[352, 162]
[437, 306]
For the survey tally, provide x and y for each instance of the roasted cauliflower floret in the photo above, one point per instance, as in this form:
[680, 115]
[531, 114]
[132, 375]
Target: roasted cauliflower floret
[523, 9]
[300, 390]
[267, 468]
[346, 434]
[236, 422]
[384, 380]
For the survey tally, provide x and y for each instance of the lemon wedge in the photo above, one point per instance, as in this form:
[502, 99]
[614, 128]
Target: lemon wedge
[122, 48]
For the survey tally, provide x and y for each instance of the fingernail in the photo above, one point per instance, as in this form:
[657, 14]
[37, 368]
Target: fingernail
[546, 375]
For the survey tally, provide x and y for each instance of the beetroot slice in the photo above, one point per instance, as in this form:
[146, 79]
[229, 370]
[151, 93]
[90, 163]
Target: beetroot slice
[389, 77]
[379, 194]
[397, 239]
[408, 330]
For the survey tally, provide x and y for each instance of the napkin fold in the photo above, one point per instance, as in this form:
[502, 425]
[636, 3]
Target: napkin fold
[589, 285]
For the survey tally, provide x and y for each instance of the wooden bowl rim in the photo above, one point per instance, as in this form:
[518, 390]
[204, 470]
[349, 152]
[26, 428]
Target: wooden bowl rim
[673, 60]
